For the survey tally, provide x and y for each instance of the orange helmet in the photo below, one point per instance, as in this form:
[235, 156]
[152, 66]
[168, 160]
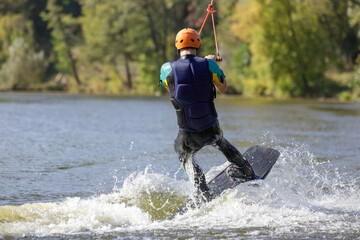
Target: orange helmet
[187, 37]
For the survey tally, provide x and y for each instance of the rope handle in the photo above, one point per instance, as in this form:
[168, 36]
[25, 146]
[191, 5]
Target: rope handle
[211, 11]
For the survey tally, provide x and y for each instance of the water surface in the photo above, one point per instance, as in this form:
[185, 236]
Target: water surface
[79, 167]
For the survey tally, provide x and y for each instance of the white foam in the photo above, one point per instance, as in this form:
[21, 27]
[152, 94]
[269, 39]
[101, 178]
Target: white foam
[72, 216]
[299, 195]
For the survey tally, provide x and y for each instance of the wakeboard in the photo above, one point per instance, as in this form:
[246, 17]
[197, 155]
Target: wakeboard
[261, 159]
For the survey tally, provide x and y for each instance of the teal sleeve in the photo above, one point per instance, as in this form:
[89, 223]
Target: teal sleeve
[165, 71]
[215, 69]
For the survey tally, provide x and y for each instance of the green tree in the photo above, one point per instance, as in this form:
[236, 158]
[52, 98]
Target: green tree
[114, 34]
[235, 53]
[12, 6]
[289, 47]
[138, 34]
[335, 17]
[354, 15]
[13, 26]
[24, 68]
[64, 29]
[354, 20]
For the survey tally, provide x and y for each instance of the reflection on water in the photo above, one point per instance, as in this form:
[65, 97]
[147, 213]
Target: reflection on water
[339, 109]
[81, 166]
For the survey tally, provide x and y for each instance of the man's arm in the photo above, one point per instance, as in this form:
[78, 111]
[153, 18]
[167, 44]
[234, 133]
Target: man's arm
[218, 75]
[164, 73]
[221, 87]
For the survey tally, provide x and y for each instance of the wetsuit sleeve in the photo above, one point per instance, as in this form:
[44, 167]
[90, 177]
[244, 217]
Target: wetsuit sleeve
[218, 74]
[164, 73]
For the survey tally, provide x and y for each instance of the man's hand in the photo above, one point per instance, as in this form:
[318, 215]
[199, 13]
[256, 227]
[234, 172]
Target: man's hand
[213, 57]
[221, 86]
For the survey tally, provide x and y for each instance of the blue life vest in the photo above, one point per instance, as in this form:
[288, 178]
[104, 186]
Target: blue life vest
[193, 98]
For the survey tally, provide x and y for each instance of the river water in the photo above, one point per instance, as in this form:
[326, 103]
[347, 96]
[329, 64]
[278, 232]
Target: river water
[80, 167]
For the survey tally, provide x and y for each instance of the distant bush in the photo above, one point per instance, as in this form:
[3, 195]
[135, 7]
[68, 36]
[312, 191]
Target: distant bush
[24, 69]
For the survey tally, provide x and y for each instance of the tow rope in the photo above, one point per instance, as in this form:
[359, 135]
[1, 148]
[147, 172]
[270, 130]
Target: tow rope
[211, 11]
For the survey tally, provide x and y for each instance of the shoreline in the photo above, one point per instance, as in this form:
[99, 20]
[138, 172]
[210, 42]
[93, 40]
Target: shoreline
[159, 95]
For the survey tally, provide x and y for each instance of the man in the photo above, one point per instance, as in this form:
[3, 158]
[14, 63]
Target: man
[191, 81]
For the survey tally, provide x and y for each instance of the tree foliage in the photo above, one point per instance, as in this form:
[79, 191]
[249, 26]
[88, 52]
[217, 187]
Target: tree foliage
[288, 46]
[13, 26]
[63, 32]
[24, 68]
[279, 48]
[111, 31]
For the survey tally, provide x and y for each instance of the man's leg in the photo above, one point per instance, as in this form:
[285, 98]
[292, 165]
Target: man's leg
[193, 169]
[234, 156]
[186, 150]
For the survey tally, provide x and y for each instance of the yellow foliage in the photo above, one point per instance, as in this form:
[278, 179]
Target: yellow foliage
[288, 44]
[245, 18]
